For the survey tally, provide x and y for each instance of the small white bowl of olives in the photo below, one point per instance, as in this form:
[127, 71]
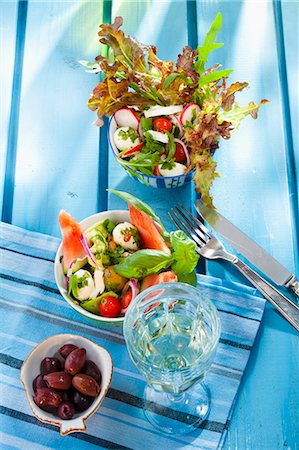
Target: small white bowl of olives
[66, 378]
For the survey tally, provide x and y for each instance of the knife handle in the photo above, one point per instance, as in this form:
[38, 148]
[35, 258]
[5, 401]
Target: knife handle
[294, 285]
[286, 308]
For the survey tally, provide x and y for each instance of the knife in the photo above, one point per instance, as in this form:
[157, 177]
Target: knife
[248, 248]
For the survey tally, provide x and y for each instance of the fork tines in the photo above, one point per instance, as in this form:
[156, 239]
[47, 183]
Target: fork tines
[183, 219]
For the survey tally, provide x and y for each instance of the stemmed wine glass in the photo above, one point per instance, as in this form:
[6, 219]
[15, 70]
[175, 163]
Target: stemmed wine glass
[171, 331]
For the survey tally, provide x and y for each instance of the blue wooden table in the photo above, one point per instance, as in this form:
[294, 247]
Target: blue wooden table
[53, 158]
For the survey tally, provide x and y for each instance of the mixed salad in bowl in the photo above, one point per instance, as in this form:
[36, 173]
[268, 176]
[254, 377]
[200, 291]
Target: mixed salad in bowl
[170, 116]
[149, 143]
[105, 263]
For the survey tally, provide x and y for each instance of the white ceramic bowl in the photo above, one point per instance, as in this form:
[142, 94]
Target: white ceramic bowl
[150, 180]
[31, 368]
[115, 216]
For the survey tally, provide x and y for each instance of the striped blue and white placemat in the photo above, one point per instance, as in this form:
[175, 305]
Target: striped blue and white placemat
[32, 310]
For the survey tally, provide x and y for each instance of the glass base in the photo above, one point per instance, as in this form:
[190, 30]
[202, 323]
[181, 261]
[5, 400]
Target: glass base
[177, 413]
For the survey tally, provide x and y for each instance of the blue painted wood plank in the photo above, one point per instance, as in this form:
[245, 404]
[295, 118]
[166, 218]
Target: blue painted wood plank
[292, 175]
[57, 160]
[8, 24]
[103, 166]
[12, 139]
[290, 19]
[253, 193]
[192, 23]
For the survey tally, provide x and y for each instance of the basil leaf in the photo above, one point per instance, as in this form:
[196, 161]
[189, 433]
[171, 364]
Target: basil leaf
[184, 253]
[142, 263]
[138, 204]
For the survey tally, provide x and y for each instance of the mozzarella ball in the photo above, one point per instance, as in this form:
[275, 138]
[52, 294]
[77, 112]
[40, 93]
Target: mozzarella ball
[126, 235]
[99, 283]
[177, 169]
[85, 280]
[125, 138]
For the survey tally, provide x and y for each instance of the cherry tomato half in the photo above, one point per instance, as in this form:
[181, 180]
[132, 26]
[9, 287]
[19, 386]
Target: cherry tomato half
[162, 124]
[179, 154]
[126, 299]
[109, 306]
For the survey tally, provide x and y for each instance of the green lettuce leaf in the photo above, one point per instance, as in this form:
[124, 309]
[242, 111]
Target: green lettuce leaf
[237, 113]
[183, 252]
[143, 263]
[209, 44]
[227, 94]
[205, 173]
[213, 76]
[98, 235]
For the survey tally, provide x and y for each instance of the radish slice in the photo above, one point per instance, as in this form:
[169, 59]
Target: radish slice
[133, 151]
[131, 284]
[185, 150]
[126, 117]
[188, 113]
[162, 110]
[158, 136]
[175, 120]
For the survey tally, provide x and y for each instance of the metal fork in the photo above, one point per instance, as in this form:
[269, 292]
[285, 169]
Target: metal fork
[211, 248]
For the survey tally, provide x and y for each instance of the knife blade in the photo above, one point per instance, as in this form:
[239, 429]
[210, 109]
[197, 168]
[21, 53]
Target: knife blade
[248, 248]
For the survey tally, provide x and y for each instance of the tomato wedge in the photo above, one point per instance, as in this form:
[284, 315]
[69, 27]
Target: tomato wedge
[126, 299]
[179, 154]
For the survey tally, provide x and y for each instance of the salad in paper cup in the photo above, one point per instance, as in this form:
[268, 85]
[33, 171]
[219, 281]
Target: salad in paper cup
[107, 259]
[169, 116]
[150, 147]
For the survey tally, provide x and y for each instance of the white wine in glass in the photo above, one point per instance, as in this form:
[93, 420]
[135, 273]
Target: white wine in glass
[171, 331]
